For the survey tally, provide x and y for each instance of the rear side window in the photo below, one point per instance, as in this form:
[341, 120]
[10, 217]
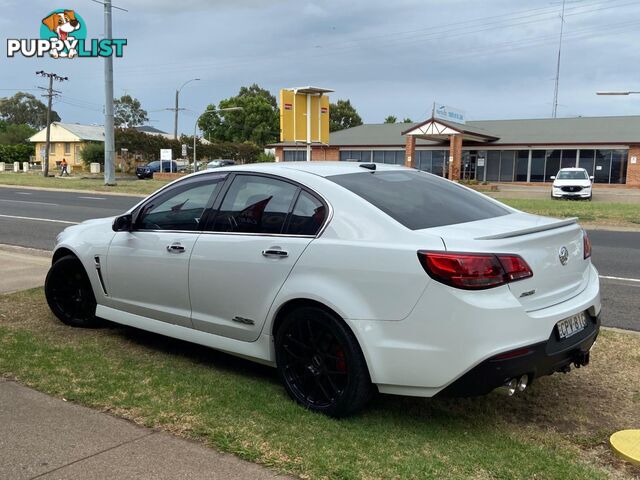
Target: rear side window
[255, 204]
[307, 217]
[419, 200]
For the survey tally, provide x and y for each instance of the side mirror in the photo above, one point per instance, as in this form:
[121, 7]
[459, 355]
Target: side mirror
[552, 177]
[122, 223]
[591, 177]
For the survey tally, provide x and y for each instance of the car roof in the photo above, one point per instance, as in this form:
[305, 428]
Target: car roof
[572, 169]
[322, 169]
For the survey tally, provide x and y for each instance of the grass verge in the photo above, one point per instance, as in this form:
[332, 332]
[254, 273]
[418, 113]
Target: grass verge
[614, 214]
[140, 187]
[556, 430]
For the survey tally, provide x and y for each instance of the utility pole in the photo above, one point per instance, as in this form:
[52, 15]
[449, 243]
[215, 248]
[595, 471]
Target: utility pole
[177, 108]
[555, 90]
[109, 141]
[50, 94]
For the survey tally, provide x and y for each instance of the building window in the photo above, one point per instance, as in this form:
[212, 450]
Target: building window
[67, 148]
[493, 165]
[618, 166]
[552, 166]
[603, 166]
[537, 165]
[356, 156]
[568, 159]
[295, 155]
[507, 162]
[423, 160]
[522, 166]
[587, 160]
[52, 148]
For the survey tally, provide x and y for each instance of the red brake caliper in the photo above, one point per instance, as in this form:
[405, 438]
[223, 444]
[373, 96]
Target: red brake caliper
[341, 364]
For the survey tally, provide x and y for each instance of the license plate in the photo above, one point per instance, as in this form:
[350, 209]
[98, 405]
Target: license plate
[572, 325]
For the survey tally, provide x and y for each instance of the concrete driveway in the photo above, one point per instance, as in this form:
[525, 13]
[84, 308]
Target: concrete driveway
[22, 268]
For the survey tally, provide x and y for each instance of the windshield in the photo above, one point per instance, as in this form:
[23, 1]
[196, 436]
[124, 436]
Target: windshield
[419, 200]
[572, 175]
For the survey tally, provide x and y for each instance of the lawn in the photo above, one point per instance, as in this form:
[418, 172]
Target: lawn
[595, 213]
[557, 429]
[137, 187]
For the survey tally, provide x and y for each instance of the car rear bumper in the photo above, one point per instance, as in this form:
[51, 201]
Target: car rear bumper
[544, 358]
[451, 332]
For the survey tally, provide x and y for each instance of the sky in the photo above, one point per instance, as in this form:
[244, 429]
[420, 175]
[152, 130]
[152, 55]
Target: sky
[492, 59]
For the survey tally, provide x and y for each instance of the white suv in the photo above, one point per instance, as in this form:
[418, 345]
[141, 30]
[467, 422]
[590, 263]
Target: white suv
[347, 277]
[571, 183]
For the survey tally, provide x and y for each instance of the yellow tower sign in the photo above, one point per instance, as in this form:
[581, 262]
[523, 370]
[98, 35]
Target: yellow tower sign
[304, 116]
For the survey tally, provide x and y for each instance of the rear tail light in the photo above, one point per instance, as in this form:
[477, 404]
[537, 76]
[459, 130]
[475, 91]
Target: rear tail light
[474, 271]
[586, 243]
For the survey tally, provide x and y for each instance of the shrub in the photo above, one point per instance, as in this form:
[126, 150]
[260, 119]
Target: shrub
[92, 153]
[15, 153]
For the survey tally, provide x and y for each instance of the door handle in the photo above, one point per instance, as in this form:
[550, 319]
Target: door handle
[275, 252]
[175, 248]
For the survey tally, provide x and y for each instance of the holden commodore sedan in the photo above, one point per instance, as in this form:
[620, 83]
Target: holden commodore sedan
[348, 278]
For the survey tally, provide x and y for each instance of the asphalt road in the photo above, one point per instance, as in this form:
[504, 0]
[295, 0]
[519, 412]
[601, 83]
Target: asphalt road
[33, 218]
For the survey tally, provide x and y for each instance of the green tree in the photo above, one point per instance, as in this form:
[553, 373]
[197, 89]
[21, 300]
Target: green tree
[342, 115]
[407, 120]
[128, 112]
[390, 119]
[24, 108]
[93, 153]
[258, 122]
[11, 134]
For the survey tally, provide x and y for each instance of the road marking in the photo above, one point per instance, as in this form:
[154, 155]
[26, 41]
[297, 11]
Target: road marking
[39, 219]
[25, 201]
[94, 198]
[620, 278]
[22, 193]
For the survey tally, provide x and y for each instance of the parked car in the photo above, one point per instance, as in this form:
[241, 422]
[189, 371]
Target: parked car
[348, 278]
[572, 183]
[147, 171]
[220, 163]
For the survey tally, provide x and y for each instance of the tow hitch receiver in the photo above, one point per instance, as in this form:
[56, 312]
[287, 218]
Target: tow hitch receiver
[581, 359]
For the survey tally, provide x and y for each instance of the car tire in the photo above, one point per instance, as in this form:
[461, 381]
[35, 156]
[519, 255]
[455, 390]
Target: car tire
[69, 293]
[321, 364]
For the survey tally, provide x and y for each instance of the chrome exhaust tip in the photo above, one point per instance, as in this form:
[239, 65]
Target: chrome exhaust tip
[523, 383]
[509, 388]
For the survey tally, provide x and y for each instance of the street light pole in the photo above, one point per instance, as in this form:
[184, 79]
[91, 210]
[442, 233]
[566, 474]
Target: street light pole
[195, 128]
[176, 109]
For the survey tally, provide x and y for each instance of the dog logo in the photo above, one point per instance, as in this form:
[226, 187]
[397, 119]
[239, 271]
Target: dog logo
[63, 34]
[63, 24]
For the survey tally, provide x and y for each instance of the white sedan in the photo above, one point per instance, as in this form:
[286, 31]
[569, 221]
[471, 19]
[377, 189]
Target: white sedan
[349, 278]
[572, 183]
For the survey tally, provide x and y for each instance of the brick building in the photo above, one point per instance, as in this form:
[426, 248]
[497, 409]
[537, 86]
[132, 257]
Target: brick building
[492, 150]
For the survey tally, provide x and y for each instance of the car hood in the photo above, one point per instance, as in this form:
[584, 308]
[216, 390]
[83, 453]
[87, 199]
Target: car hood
[572, 183]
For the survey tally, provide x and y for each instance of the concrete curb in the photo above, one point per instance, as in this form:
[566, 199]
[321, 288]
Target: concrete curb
[25, 250]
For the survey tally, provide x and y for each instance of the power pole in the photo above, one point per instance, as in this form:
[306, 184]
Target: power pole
[175, 119]
[109, 142]
[50, 94]
[555, 90]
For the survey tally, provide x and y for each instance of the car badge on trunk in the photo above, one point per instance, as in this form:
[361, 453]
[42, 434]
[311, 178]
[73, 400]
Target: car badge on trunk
[563, 255]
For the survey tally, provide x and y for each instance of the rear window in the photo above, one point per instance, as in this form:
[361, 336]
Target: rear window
[419, 200]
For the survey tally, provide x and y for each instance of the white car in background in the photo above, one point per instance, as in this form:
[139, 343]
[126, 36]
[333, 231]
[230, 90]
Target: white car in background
[349, 278]
[572, 183]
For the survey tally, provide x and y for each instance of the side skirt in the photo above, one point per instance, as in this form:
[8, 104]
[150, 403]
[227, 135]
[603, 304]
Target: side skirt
[260, 351]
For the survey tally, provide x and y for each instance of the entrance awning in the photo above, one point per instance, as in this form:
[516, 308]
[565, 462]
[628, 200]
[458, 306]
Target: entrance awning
[437, 129]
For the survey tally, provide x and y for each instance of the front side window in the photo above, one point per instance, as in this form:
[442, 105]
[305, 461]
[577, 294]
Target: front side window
[308, 215]
[181, 208]
[255, 204]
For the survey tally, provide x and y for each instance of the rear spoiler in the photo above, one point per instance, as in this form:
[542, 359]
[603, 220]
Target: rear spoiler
[527, 231]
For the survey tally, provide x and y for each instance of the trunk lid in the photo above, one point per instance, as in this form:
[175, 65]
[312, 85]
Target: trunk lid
[539, 241]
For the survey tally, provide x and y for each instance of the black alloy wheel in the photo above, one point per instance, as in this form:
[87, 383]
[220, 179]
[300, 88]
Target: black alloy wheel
[321, 364]
[69, 293]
